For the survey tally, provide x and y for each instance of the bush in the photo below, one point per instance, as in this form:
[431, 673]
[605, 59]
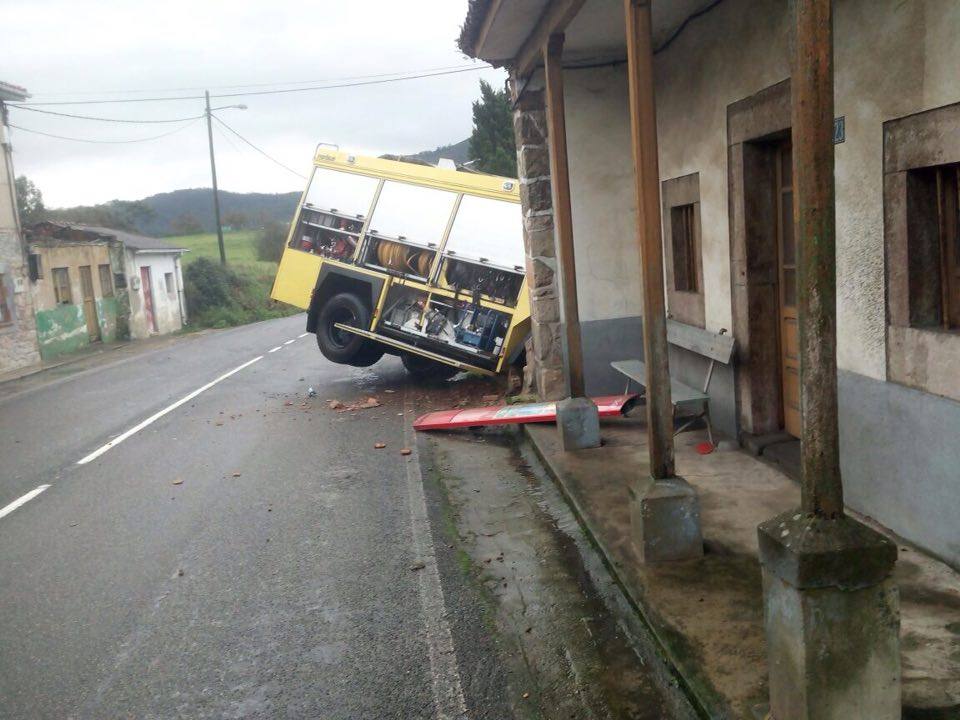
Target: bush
[221, 296]
[270, 240]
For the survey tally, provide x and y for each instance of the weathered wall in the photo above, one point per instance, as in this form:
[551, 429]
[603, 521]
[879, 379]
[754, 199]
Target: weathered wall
[62, 329]
[602, 193]
[892, 58]
[166, 305]
[544, 371]
[18, 338]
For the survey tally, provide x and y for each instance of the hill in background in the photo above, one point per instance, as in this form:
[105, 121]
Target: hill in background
[190, 212]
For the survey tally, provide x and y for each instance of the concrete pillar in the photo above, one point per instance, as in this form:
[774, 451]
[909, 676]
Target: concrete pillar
[544, 371]
[665, 510]
[577, 417]
[831, 609]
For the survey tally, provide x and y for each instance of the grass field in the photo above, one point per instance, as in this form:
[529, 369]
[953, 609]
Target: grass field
[240, 246]
[249, 296]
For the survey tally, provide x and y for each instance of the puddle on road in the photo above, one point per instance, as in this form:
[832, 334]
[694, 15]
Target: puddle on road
[516, 539]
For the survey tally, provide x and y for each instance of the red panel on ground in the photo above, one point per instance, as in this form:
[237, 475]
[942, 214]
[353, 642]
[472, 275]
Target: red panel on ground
[514, 414]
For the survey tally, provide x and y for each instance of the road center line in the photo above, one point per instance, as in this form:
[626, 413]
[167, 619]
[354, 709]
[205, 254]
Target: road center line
[448, 699]
[278, 347]
[290, 341]
[22, 500]
[156, 416]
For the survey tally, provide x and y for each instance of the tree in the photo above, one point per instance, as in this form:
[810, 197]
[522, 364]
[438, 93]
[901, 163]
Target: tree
[29, 201]
[186, 224]
[270, 240]
[492, 142]
[235, 219]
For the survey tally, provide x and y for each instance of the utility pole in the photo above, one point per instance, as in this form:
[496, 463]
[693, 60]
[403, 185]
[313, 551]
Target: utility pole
[213, 174]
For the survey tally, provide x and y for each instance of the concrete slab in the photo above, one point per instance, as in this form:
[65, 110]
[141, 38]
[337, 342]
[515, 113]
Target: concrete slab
[708, 613]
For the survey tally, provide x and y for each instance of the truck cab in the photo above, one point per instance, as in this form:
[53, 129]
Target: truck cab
[422, 262]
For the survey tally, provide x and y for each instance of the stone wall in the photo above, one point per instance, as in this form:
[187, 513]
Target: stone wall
[544, 371]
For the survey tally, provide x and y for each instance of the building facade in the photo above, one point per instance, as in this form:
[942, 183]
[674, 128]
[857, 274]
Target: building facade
[18, 337]
[95, 284]
[722, 84]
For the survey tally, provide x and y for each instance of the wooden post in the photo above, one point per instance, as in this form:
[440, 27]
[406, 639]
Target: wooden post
[643, 121]
[814, 211]
[562, 214]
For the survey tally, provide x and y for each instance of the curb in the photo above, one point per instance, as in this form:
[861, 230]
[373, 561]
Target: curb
[701, 705]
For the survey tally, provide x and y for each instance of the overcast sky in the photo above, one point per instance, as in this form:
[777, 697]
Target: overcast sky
[90, 49]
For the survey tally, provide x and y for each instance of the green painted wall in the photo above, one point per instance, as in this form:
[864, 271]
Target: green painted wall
[107, 312]
[61, 330]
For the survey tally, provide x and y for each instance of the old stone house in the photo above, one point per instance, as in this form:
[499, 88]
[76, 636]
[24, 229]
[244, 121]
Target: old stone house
[722, 84]
[18, 338]
[95, 284]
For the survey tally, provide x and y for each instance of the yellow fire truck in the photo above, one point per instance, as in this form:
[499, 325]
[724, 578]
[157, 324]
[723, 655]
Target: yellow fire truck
[422, 262]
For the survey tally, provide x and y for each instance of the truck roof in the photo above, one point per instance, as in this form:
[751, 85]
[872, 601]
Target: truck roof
[492, 186]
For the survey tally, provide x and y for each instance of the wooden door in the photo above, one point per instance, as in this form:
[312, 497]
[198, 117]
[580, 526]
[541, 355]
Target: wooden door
[89, 303]
[148, 299]
[787, 261]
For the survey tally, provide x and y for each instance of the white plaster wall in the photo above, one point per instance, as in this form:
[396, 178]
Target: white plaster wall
[893, 58]
[166, 307]
[602, 193]
[18, 340]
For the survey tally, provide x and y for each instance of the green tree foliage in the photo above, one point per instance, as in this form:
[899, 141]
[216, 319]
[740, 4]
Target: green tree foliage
[116, 214]
[222, 296]
[270, 240]
[236, 220]
[492, 143]
[186, 224]
[29, 201]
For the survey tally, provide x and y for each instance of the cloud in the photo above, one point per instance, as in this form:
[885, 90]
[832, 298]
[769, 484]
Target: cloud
[95, 49]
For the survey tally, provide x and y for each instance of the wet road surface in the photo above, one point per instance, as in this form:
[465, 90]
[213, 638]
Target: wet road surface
[211, 542]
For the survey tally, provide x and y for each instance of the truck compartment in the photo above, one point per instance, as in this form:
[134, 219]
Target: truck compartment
[452, 324]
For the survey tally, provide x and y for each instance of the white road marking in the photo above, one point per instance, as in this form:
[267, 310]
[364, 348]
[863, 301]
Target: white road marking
[23, 500]
[156, 416]
[448, 699]
[302, 335]
[278, 347]
[290, 341]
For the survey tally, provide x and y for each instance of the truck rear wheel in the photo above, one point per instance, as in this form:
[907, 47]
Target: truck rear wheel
[422, 368]
[342, 346]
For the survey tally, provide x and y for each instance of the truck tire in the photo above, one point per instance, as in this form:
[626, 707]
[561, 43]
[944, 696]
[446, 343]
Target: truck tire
[338, 345]
[422, 368]
[369, 354]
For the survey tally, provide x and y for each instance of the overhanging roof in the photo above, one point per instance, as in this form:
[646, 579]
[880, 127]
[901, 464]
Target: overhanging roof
[11, 92]
[496, 30]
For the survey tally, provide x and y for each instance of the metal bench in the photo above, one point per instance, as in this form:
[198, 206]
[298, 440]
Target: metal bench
[718, 347]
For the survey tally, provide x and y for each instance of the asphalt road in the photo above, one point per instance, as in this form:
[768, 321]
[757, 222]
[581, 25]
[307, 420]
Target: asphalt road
[246, 553]
[284, 591]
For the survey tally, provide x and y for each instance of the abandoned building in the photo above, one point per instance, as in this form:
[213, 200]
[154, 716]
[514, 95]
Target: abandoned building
[18, 338]
[95, 284]
[664, 144]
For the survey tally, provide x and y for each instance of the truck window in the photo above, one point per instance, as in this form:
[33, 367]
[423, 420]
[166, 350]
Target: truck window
[342, 192]
[333, 213]
[417, 215]
[490, 231]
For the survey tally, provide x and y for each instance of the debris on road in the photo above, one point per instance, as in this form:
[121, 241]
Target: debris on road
[417, 566]
[405, 451]
[311, 392]
[379, 445]
[366, 404]
[178, 481]
[236, 474]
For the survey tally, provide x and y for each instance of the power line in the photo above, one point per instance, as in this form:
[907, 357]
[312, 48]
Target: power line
[258, 85]
[103, 119]
[104, 142]
[255, 92]
[262, 152]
